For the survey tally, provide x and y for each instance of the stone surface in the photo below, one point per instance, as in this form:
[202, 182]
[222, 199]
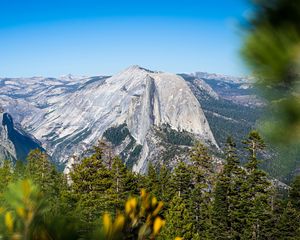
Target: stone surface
[69, 116]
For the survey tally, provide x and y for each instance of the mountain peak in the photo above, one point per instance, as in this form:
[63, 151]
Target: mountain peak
[134, 68]
[138, 98]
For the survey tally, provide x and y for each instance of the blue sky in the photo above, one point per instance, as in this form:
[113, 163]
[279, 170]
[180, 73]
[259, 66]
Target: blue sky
[94, 37]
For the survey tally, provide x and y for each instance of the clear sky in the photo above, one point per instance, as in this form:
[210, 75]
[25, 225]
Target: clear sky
[95, 37]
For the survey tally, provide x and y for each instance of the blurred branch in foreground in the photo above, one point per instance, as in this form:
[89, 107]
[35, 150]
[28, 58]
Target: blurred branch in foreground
[272, 51]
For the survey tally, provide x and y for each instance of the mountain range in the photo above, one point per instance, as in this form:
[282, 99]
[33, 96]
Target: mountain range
[147, 116]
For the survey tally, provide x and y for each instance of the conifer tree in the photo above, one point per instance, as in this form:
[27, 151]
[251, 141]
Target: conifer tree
[225, 190]
[178, 221]
[165, 185]
[5, 177]
[44, 174]
[152, 180]
[91, 181]
[288, 226]
[19, 170]
[203, 181]
[257, 191]
[182, 181]
[294, 193]
[5, 174]
[123, 184]
[39, 169]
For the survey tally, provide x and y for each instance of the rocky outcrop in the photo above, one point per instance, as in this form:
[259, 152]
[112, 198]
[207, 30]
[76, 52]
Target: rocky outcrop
[72, 116]
[7, 149]
[15, 144]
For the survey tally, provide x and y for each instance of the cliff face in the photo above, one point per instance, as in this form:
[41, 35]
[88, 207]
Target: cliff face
[69, 116]
[7, 149]
[15, 144]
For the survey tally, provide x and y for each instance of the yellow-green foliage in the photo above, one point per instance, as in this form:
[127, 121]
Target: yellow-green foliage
[23, 205]
[141, 218]
[21, 217]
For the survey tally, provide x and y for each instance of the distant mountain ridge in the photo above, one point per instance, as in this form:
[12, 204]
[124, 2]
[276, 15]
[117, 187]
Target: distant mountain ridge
[138, 110]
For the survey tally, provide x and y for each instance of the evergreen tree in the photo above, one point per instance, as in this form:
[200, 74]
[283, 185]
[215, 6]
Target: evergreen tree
[123, 184]
[182, 181]
[40, 169]
[203, 167]
[5, 177]
[288, 226]
[44, 174]
[178, 221]
[19, 170]
[225, 190]
[164, 185]
[203, 181]
[5, 174]
[152, 180]
[294, 193]
[257, 192]
[91, 181]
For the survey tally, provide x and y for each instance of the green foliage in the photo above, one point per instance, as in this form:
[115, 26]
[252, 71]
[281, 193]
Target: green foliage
[182, 181]
[5, 176]
[203, 181]
[90, 184]
[134, 155]
[123, 184]
[295, 193]
[43, 173]
[23, 209]
[226, 195]
[288, 225]
[178, 220]
[116, 135]
[199, 203]
[176, 137]
[257, 191]
[271, 50]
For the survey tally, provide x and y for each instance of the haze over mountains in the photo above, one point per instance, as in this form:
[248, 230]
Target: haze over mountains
[146, 115]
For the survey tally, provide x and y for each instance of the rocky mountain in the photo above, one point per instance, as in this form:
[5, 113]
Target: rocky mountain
[141, 112]
[230, 107]
[15, 143]
[145, 115]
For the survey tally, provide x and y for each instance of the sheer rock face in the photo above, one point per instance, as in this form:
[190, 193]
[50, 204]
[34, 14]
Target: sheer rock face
[71, 117]
[7, 149]
[15, 144]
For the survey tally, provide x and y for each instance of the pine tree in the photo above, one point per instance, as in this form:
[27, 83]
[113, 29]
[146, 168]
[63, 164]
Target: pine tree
[91, 181]
[294, 193]
[226, 195]
[182, 181]
[44, 174]
[203, 181]
[202, 163]
[257, 191]
[288, 226]
[178, 221]
[39, 169]
[122, 184]
[164, 186]
[19, 170]
[5, 177]
[5, 174]
[152, 180]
